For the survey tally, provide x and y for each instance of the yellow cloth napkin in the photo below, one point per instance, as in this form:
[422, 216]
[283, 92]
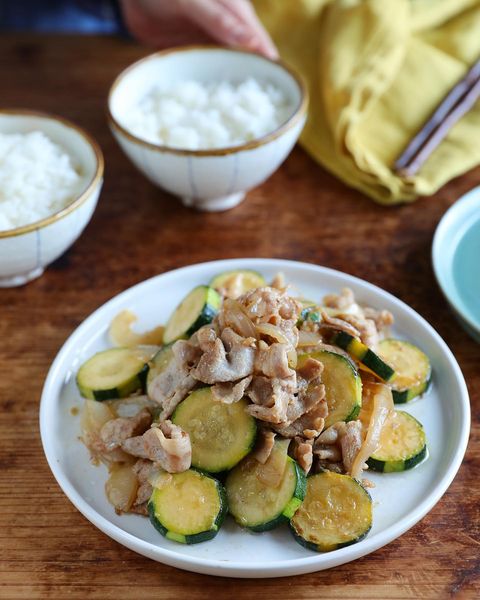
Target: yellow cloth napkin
[376, 70]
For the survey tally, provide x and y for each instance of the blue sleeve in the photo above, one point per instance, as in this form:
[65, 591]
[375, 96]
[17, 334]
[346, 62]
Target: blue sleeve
[51, 16]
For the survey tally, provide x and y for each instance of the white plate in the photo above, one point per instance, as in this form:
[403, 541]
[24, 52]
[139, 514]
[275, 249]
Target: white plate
[400, 499]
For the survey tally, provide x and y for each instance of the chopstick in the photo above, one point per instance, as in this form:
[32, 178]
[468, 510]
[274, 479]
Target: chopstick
[456, 103]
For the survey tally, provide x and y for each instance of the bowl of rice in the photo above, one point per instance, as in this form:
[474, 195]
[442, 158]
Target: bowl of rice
[206, 123]
[51, 173]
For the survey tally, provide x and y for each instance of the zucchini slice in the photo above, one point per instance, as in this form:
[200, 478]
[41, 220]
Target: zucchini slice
[220, 434]
[187, 507]
[343, 385]
[254, 501]
[412, 369]
[236, 283]
[336, 512]
[114, 373]
[368, 359]
[159, 363]
[197, 309]
[402, 445]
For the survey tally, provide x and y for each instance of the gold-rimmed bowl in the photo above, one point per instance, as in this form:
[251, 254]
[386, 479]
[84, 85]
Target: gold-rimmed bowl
[26, 251]
[211, 179]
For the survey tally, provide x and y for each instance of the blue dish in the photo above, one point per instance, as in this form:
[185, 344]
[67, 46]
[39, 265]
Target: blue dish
[456, 260]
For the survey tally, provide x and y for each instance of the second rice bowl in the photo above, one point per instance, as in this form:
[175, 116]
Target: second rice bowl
[26, 250]
[210, 179]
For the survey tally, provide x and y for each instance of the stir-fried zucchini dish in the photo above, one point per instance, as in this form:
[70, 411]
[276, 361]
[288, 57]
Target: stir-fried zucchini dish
[255, 402]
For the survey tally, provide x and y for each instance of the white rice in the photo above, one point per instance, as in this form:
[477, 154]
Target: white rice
[198, 116]
[37, 179]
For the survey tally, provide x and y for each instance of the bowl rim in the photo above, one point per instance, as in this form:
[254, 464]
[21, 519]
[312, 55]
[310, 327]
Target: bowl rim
[451, 223]
[297, 114]
[80, 198]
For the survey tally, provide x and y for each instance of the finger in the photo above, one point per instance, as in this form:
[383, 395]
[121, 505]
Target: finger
[261, 41]
[223, 25]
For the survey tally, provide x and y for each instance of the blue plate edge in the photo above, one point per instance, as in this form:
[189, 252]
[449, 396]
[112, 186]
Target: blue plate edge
[466, 321]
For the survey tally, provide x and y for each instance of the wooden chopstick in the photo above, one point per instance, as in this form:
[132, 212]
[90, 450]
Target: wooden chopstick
[456, 103]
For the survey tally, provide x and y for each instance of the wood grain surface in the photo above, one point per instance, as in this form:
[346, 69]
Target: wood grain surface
[47, 548]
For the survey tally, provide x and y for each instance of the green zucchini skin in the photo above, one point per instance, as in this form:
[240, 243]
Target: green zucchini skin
[315, 548]
[221, 434]
[113, 393]
[206, 317]
[364, 354]
[292, 506]
[413, 371]
[142, 376]
[257, 506]
[405, 396]
[389, 464]
[343, 385]
[397, 466]
[155, 522]
[196, 538]
[328, 537]
[193, 317]
[127, 382]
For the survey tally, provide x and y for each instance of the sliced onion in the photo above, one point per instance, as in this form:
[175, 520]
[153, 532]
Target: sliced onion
[271, 472]
[337, 324]
[382, 407]
[122, 335]
[337, 350]
[131, 406]
[158, 477]
[237, 318]
[232, 286]
[121, 487]
[94, 416]
[369, 389]
[308, 338]
[279, 282]
[353, 309]
[273, 331]
[292, 358]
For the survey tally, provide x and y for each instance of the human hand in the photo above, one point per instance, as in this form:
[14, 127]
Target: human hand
[164, 23]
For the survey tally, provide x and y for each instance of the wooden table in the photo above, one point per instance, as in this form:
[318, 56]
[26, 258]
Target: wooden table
[48, 549]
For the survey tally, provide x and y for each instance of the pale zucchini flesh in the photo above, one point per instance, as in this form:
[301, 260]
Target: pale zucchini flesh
[343, 385]
[336, 512]
[221, 434]
[412, 369]
[258, 505]
[114, 373]
[197, 309]
[402, 446]
[236, 283]
[187, 507]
